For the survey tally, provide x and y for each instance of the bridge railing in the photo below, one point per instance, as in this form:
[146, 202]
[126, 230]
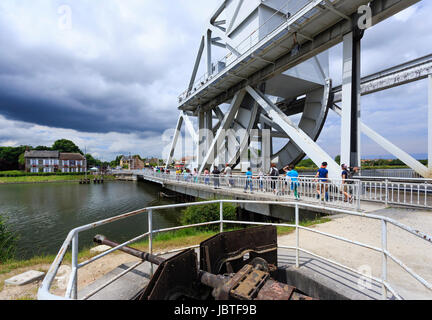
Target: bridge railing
[407, 193]
[73, 238]
[348, 193]
[334, 193]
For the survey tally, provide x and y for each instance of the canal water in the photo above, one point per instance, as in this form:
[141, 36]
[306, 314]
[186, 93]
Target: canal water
[43, 214]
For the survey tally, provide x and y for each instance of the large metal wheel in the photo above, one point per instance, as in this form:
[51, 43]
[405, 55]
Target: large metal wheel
[313, 107]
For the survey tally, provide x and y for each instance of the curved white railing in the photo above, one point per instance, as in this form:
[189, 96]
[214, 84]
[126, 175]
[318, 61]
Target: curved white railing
[72, 240]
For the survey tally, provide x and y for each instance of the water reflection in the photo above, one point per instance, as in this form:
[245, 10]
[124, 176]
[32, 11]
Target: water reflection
[43, 214]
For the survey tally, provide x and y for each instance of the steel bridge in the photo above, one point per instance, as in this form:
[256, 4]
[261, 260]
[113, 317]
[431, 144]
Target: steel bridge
[274, 65]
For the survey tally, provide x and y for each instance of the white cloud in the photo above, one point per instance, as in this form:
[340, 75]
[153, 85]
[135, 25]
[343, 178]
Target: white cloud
[119, 69]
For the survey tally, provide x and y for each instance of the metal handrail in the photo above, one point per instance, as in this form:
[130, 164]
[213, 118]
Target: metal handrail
[72, 238]
[394, 192]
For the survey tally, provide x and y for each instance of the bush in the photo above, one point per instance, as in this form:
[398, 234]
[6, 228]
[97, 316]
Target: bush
[15, 174]
[8, 241]
[208, 213]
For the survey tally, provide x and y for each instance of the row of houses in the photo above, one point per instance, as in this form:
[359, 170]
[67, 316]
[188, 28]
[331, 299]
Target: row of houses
[132, 163]
[135, 162]
[54, 161]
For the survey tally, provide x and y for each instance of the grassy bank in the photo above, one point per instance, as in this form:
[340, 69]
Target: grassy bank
[44, 179]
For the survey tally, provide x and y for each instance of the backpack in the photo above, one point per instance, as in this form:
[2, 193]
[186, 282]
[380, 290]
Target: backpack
[274, 172]
[350, 177]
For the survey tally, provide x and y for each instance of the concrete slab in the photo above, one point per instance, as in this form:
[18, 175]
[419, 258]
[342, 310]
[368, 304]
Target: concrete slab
[126, 288]
[326, 281]
[99, 249]
[25, 278]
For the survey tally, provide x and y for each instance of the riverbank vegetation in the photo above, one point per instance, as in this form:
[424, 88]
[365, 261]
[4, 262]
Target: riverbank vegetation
[8, 241]
[44, 178]
[309, 165]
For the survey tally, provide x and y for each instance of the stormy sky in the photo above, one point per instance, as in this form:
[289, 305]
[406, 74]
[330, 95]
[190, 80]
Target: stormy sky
[107, 74]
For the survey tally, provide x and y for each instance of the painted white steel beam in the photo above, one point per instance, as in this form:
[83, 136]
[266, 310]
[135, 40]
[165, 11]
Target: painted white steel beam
[225, 39]
[330, 7]
[234, 17]
[197, 64]
[226, 123]
[396, 76]
[190, 128]
[175, 139]
[346, 99]
[201, 138]
[390, 147]
[350, 135]
[300, 138]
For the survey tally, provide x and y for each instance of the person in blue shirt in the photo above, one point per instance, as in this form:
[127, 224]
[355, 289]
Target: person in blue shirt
[292, 176]
[249, 181]
[322, 177]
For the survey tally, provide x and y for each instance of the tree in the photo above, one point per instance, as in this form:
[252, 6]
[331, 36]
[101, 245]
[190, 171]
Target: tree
[116, 162]
[67, 146]
[9, 157]
[92, 162]
[338, 160]
[42, 148]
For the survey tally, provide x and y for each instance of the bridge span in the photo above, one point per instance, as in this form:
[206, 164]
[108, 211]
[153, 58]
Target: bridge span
[362, 195]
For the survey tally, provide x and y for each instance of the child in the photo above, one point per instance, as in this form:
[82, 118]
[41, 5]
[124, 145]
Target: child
[206, 176]
[292, 176]
[249, 181]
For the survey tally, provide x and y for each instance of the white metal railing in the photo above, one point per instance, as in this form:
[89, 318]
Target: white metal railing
[255, 39]
[332, 193]
[406, 193]
[348, 193]
[72, 240]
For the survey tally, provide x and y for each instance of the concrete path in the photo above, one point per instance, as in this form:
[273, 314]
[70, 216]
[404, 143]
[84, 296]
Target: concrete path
[412, 251]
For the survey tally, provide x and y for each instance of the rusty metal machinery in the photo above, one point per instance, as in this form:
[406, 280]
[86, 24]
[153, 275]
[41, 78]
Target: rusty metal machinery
[238, 265]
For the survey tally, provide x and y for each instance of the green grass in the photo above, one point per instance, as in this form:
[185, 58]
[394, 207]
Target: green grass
[54, 178]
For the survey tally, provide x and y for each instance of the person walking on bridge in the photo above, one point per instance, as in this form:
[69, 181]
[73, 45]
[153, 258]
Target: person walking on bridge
[206, 176]
[195, 175]
[346, 180]
[249, 180]
[322, 179]
[228, 176]
[216, 180]
[274, 174]
[292, 178]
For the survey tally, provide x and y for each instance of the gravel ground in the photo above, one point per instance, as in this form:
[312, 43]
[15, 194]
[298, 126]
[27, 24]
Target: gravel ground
[414, 252]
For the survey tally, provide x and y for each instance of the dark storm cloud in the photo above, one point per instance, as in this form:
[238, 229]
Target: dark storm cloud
[119, 69]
